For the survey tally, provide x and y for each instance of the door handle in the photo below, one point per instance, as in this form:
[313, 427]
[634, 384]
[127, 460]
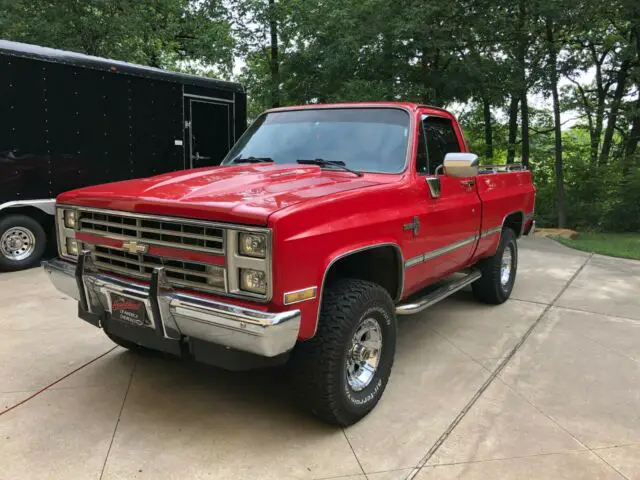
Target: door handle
[468, 183]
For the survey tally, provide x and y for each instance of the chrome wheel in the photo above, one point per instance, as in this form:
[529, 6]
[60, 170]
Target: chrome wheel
[17, 243]
[363, 356]
[506, 266]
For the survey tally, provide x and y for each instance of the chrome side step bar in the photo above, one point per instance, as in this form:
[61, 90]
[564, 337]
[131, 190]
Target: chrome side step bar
[440, 294]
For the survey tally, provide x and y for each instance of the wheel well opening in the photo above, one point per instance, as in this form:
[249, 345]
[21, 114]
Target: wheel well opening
[44, 219]
[515, 221]
[381, 265]
[38, 215]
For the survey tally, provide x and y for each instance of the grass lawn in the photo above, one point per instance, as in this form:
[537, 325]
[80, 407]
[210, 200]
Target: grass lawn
[625, 245]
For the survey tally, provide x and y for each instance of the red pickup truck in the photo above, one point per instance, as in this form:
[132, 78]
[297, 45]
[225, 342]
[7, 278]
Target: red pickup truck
[323, 224]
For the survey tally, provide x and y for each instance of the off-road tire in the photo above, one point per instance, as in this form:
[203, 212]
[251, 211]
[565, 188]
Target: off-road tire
[22, 221]
[489, 288]
[319, 364]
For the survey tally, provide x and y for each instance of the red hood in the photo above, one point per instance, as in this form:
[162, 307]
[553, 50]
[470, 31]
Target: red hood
[239, 194]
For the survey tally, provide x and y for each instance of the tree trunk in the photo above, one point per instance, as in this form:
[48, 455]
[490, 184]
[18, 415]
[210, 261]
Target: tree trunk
[430, 68]
[513, 128]
[634, 135]
[488, 131]
[601, 94]
[522, 74]
[525, 127]
[613, 113]
[424, 72]
[558, 167]
[387, 68]
[275, 61]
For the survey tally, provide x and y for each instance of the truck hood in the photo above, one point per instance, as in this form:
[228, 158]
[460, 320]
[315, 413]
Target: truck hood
[239, 194]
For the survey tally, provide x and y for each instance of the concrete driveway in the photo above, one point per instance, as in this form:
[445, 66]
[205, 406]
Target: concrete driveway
[544, 386]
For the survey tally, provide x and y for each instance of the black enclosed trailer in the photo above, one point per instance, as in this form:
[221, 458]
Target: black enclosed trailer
[69, 120]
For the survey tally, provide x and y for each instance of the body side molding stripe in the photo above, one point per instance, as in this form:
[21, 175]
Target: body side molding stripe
[430, 255]
[490, 231]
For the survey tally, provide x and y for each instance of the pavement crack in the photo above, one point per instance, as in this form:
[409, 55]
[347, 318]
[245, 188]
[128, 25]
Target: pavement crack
[608, 348]
[436, 446]
[502, 459]
[115, 428]
[344, 432]
[609, 315]
[610, 466]
[44, 389]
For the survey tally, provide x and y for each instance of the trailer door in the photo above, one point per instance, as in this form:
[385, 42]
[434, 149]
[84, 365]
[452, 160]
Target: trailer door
[209, 130]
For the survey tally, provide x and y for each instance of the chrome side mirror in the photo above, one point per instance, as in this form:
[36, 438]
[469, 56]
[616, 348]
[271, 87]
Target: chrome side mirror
[460, 164]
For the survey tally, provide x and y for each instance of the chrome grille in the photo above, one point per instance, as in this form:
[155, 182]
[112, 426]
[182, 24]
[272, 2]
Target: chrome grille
[156, 231]
[179, 273]
[160, 232]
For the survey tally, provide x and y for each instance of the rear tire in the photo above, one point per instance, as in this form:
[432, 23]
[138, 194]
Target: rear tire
[22, 242]
[334, 373]
[498, 271]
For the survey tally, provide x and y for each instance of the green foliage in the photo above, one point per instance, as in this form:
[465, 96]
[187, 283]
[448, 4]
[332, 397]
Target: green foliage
[616, 245]
[470, 54]
[600, 198]
[161, 33]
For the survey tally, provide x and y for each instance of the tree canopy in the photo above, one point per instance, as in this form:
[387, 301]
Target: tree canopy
[553, 84]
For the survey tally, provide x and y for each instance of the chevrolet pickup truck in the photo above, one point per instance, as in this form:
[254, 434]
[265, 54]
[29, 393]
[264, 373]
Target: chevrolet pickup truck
[322, 225]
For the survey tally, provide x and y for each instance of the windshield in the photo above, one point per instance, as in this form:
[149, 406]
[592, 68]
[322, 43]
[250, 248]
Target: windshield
[365, 139]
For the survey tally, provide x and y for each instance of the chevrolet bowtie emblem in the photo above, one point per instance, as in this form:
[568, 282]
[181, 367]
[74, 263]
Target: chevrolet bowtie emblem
[135, 247]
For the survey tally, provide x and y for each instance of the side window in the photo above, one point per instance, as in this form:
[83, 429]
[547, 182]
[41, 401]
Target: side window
[441, 139]
[422, 164]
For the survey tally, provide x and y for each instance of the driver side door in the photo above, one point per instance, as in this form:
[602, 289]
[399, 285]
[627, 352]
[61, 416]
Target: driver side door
[449, 222]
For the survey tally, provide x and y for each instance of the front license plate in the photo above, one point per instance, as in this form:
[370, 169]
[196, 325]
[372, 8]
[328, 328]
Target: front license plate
[128, 310]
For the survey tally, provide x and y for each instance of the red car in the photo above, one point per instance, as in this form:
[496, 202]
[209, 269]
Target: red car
[323, 224]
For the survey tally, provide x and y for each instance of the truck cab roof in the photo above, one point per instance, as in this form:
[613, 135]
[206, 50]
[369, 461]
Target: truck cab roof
[411, 106]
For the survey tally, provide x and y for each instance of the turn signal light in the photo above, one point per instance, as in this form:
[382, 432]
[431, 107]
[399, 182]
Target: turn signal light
[300, 295]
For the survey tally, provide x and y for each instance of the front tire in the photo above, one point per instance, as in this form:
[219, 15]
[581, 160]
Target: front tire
[498, 271]
[341, 373]
[22, 242]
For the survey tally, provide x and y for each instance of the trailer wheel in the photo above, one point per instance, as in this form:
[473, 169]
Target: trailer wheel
[340, 374]
[22, 242]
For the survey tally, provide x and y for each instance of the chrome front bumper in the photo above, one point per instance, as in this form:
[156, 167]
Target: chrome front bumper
[176, 315]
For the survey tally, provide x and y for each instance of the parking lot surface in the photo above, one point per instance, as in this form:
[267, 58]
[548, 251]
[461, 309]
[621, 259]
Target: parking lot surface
[545, 386]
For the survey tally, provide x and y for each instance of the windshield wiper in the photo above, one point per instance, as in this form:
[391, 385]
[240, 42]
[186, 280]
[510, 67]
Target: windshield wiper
[328, 163]
[253, 160]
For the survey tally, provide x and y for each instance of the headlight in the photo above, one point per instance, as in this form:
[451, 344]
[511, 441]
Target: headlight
[72, 247]
[252, 245]
[254, 281]
[70, 218]
[66, 224]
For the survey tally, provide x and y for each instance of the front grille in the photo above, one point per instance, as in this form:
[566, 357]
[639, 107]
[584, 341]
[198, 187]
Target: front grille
[160, 232]
[179, 273]
[183, 235]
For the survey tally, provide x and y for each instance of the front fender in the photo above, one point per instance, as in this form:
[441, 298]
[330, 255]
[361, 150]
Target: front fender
[297, 271]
